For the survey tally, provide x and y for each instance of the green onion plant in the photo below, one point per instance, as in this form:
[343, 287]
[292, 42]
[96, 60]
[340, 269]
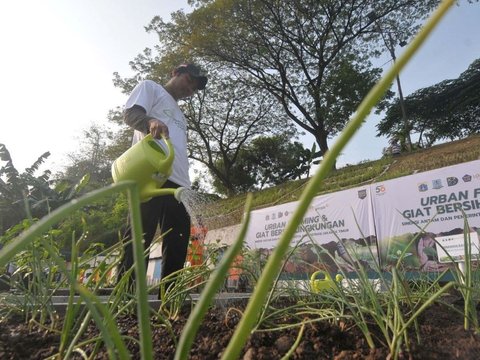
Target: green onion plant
[272, 268]
[393, 307]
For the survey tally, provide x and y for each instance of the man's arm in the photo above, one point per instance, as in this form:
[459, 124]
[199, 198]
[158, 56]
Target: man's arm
[137, 118]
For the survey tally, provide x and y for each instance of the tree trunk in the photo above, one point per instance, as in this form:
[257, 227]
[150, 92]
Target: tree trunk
[321, 140]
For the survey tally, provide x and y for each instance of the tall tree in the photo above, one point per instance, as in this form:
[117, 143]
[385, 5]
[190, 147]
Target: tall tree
[275, 160]
[91, 157]
[120, 135]
[311, 55]
[225, 119]
[447, 110]
[267, 161]
[28, 193]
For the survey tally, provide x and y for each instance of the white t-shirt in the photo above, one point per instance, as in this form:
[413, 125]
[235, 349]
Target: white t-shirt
[162, 106]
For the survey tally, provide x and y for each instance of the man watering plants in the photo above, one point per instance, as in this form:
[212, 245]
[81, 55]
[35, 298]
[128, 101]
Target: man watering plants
[152, 108]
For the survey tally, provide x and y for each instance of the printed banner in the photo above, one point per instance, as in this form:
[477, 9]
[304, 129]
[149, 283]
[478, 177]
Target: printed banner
[451, 248]
[412, 212]
[340, 222]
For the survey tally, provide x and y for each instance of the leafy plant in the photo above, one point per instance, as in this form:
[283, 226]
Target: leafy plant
[467, 279]
[393, 312]
[24, 194]
[274, 262]
[99, 312]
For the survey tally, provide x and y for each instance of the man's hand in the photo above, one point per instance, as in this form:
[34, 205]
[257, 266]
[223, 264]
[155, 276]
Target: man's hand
[158, 129]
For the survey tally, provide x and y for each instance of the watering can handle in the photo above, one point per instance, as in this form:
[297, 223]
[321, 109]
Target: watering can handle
[326, 275]
[168, 142]
[171, 152]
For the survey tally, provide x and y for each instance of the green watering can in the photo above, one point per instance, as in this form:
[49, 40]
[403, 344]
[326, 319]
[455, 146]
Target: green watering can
[326, 283]
[147, 164]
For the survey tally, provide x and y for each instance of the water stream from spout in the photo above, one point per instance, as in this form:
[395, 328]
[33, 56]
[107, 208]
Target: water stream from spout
[194, 203]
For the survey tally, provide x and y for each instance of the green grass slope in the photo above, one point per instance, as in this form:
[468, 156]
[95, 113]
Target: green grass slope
[229, 211]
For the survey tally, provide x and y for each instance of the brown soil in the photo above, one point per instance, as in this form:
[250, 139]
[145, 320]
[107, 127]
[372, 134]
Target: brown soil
[442, 336]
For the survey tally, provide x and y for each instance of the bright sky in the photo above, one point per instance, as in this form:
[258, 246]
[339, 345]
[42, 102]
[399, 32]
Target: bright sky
[448, 52]
[58, 59]
[57, 64]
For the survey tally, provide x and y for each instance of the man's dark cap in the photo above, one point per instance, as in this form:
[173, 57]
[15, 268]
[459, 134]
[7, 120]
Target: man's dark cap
[195, 72]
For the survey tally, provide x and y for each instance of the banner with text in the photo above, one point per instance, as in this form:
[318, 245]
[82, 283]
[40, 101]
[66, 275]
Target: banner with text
[413, 211]
[340, 222]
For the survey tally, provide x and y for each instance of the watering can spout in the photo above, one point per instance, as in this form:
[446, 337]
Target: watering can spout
[178, 193]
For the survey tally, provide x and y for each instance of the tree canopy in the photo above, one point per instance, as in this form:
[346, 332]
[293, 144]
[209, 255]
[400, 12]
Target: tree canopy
[266, 161]
[91, 158]
[447, 110]
[29, 195]
[312, 56]
[225, 119]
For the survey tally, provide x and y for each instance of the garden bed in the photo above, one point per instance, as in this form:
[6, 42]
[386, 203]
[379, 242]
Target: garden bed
[442, 336]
